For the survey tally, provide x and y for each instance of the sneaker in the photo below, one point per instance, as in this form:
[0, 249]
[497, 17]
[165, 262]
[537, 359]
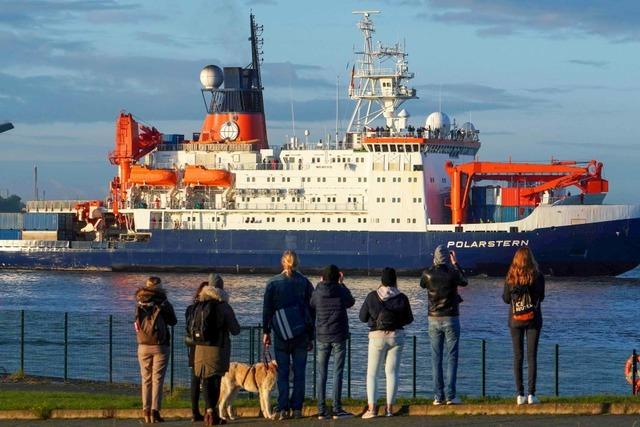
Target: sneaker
[369, 414]
[281, 415]
[521, 400]
[323, 415]
[388, 413]
[454, 401]
[532, 399]
[341, 413]
[437, 402]
[297, 414]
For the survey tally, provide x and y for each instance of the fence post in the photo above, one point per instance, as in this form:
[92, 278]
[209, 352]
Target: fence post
[66, 344]
[315, 360]
[349, 367]
[557, 370]
[22, 341]
[415, 342]
[171, 366]
[111, 348]
[251, 351]
[634, 366]
[484, 368]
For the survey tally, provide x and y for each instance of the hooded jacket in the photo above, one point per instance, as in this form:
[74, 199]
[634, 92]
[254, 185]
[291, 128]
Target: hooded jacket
[330, 300]
[147, 298]
[441, 282]
[214, 360]
[389, 298]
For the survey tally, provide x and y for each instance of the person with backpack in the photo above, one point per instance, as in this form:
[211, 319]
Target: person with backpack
[191, 347]
[441, 281]
[154, 315]
[524, 292]
[330, 300]
[210, 324]
[386, 311]
[287, 311]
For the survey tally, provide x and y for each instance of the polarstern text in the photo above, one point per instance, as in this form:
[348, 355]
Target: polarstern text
[487, 244]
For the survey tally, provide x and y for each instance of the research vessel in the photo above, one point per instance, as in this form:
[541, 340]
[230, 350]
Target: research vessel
[385, 193]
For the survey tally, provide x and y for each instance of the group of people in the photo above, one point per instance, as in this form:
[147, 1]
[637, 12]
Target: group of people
[296, 315]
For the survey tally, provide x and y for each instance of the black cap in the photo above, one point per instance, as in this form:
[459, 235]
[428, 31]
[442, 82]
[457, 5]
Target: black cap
[331, 273]
[389, 277]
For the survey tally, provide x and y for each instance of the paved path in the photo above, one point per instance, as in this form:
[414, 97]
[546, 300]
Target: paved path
[493, 421]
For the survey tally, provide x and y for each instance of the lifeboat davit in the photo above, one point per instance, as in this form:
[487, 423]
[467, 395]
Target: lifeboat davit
[199, 175]
[156, 177]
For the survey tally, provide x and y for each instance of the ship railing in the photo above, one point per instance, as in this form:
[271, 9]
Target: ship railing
[53, 205]
[331, 207]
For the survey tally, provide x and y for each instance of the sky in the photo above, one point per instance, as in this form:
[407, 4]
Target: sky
[541, 80]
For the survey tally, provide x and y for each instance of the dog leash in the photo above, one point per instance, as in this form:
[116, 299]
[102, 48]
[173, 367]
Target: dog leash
[266, 356]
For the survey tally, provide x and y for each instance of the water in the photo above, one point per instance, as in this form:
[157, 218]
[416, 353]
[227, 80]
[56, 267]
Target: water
[593, 320]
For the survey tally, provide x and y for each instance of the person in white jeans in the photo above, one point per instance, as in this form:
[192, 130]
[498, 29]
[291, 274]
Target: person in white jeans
[386, 311]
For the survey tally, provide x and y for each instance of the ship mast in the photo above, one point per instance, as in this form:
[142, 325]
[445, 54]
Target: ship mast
[377, 88]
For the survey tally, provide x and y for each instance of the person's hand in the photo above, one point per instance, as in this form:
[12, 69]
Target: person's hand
[341, 279]
[266, 340]
[310, 345]
[452, 256]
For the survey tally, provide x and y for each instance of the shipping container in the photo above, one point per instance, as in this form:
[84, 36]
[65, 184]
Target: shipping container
[35, 221]
[39, 235]
[506, 213]
[510, 196]
[172, 138]
[10, 234]
[11, 221]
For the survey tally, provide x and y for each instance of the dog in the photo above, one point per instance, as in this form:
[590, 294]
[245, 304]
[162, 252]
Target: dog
[259, 378]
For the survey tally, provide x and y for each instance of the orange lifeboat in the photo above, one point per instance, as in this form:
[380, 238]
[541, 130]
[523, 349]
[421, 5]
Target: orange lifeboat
[156, 177]
[199, 175]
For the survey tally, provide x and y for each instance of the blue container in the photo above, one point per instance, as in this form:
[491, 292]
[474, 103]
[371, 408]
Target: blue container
[172, 138]
[507, 213]
[478, 196]
[37, 221]
[11, 221]
[10, 234]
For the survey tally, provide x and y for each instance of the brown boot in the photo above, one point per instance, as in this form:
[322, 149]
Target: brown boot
[146, 415]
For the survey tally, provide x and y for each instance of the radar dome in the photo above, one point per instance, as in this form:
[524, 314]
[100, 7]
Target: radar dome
[439, 121]
[468, 127]
[403, 114]
[211, 77]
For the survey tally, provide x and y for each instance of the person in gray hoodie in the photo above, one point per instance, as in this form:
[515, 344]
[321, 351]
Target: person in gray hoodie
[386, 311]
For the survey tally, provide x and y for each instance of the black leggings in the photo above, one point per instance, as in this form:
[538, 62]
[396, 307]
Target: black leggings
[195, 393]
[211, 390]
[517, 339]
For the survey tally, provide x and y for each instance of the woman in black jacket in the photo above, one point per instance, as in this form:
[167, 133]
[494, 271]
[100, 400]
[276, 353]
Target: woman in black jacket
[524, 291]
[191, 347]
[386, 311]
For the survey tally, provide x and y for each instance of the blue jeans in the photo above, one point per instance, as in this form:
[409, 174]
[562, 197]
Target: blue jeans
[291, 353]
[322, 368]
[444, 333]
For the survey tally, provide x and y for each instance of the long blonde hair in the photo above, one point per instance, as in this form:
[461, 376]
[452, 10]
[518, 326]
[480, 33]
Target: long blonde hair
[289, 262]
[523, 269]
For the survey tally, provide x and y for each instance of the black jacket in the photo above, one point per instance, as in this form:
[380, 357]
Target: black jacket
[536, 291]
[330, 302]
[398, 304]
[441, 282]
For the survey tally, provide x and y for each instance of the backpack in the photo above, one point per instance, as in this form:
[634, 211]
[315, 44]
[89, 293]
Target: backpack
[151, 329]
[386, 320]
[202, 328]
[290, 322]
[522, 308]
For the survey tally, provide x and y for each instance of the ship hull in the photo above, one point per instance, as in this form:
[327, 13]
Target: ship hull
[602, 248]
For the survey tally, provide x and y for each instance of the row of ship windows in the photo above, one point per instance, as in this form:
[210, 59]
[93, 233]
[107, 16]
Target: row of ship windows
[397, 179]
[271, 219]
[397, 200]
[338, 160]
[432, 179]
[340, 179]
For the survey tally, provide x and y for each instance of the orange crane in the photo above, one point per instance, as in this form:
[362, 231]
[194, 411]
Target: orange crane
[538, 178]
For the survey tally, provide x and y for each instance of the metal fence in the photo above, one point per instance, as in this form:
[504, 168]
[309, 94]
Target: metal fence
[96, 347]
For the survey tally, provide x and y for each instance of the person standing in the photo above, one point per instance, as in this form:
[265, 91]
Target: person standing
[524, 292]
[191, 347]
[154, 314]
[212, 354]
[386, 311]
[441, 281]
[330, 300]
[287, 310]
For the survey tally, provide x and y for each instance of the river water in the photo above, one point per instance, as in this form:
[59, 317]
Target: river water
[594, 322]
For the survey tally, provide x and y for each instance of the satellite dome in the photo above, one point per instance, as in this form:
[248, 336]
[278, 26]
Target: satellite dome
[468, 127]
[403, 114]
[211, 77]
[439, 121]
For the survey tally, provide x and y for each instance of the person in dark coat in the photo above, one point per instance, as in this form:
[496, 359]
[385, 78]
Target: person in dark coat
[330, 300]
[289, 290]
[153, 344]
[191, 347]
[386, 311]
[211, 362]
[441, 281]
[524, 276]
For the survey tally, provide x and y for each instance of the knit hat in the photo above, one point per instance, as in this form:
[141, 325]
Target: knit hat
[215, 280]
[331, 273]
[389, 277]
[441, 255]
[153, 282]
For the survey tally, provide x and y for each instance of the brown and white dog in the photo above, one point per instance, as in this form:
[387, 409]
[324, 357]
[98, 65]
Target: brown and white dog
[259, 378]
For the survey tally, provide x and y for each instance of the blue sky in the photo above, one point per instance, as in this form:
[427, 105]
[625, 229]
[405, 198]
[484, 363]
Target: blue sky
[539, 79]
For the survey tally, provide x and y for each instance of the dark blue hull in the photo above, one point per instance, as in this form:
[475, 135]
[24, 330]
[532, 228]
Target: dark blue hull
[605, 248]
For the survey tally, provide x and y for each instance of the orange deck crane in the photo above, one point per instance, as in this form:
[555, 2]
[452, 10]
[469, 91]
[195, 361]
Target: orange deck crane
[535, 178]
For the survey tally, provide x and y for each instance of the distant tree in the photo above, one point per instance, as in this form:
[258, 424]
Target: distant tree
[12, 203]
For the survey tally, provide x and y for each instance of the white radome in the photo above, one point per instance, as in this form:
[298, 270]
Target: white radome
[211, 77]
[440, 121]
[468, 127]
